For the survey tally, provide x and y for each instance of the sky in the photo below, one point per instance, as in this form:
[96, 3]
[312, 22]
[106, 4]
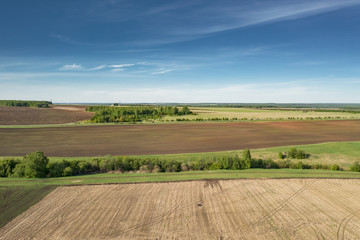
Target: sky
[183, 51]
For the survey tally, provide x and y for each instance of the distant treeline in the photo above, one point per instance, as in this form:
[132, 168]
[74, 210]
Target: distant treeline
[20, 103]
[284, 105]
[271, 105]
[35, 165]
[107, 114]
[342, 110]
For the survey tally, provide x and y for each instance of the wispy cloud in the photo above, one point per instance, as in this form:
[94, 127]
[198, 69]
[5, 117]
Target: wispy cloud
[214, 17]
[71, 67]
[97, 68]
[121, 65]
[78, 67]
[162, 71]
[223, 18]
[117, 70]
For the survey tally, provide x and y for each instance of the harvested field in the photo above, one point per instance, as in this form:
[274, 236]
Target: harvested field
[57, 114]
[16, 199]
[262, 114]
[217, 209]
[171, 138]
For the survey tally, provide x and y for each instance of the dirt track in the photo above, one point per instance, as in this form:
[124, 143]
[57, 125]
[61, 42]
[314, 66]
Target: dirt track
[247, 209]
[171, 138]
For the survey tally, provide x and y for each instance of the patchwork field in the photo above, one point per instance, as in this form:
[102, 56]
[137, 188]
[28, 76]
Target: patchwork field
[17, 199]
[57, 114]
[262, 114]
[172, 138]
[212, 209]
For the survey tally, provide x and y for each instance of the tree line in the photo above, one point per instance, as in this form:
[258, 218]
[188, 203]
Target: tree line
[20, 103]
[37, 165]
[107, 114]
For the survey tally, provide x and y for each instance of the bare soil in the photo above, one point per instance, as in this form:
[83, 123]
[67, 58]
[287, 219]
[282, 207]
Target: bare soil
[57, 114]
[171, 138]
[217, 209]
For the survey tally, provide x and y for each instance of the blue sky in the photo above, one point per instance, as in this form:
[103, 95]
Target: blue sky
[180, 51]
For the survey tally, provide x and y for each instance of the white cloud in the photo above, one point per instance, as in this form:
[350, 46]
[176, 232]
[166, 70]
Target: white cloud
[162, 71]
[121, 65]
[97, 68]
[117, 70]
[72, 67]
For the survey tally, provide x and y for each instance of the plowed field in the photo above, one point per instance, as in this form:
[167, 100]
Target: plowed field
[171, 138]
[234, 209]
[57, 114]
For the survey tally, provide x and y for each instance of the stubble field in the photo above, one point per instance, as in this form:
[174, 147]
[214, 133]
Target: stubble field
[213, 209]
[171, 138]
[262, 114]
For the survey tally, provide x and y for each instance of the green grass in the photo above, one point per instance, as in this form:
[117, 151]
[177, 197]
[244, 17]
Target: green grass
[342, 153]
[180, 176]
[15, 199]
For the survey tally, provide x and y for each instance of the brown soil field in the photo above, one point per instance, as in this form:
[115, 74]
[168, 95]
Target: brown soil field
[57, 114]
[217, 209]
[171, 138]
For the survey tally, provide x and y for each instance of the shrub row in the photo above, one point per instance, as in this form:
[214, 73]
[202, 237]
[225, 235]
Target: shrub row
[294, 153]
[19, 103]
[37, 165]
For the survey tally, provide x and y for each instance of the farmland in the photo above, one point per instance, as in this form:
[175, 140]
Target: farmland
[61, 114]
[37, 116]
[217, 204]
[171, 138]
[261, 114]
[16, 199]
[209, 209]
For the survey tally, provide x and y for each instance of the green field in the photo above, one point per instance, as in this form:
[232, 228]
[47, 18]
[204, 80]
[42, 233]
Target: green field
[179, 176]
[342, 153]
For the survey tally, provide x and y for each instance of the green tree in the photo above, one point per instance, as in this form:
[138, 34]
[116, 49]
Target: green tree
[56, 169]
[355, 167]
[293, 153]
[247, 158]
[35, 165]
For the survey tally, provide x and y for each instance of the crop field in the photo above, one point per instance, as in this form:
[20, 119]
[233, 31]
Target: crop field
[171, 138]
[57, 114]
[16, 199]
[211, 209]
[261, 114]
